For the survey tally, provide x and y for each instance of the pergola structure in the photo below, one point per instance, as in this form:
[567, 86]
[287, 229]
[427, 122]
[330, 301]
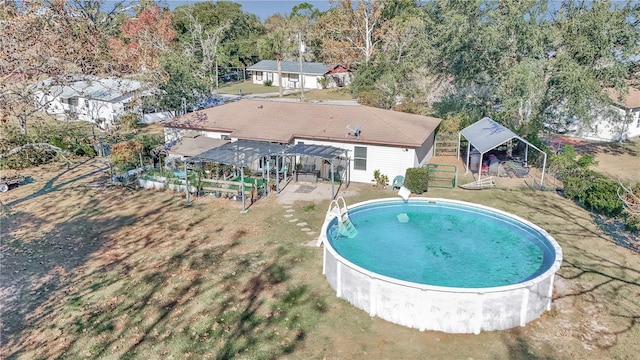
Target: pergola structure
[329, 153]
[242, 153]
[485, 135]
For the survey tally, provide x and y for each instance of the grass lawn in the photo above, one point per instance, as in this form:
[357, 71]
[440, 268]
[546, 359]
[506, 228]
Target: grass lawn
[249, 88]
[89, 270]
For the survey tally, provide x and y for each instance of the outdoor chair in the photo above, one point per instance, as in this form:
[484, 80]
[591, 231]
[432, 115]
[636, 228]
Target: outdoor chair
[398, 181]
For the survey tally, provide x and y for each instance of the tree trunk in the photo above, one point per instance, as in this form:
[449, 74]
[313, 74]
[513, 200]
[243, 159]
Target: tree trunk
[23, 124]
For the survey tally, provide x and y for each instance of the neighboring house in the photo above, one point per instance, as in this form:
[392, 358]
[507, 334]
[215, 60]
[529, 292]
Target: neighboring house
[312, 77]
[618, 122]
[100, 101]
[338, 76]
[375, 139]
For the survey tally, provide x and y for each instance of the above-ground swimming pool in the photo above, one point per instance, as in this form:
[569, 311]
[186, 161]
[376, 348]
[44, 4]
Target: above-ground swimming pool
[437, 264]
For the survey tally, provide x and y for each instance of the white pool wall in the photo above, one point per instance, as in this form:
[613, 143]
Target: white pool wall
[447, 309]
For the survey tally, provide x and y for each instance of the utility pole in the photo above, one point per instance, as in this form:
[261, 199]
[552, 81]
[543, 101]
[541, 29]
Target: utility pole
[300, 52]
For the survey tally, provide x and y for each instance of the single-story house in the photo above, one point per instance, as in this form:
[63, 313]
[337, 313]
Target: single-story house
[312, 74]
[100, 101]
[374, 139]
[618, 122]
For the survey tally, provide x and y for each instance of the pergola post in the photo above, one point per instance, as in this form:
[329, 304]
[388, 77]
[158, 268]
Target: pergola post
[333, 195]
[186, 182]
[277, 175]
[268, 177]
[265, 185]
[244, 208]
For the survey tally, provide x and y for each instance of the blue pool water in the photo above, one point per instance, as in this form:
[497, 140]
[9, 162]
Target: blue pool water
[443, 244]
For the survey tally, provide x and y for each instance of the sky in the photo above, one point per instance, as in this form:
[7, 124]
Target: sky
[262, 8]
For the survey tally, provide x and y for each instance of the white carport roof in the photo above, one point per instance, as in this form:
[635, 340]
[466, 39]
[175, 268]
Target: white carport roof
[486, 134]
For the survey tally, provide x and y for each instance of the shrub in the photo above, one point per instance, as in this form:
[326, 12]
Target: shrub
[632, 222]
[126, 155]
[267, 82]
[567, 162]
[417, 180]
[323, 81]
[149, 142]
[129, 121]
[380, 179]
[594, 191]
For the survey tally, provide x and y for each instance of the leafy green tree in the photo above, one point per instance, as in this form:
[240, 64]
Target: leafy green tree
[532, 65]
[237, 43]
[181, 85]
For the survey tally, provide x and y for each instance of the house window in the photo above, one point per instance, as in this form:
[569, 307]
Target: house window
[258, 75]
[360, 158]
[270, 76]
[294, 77]
[70, 101]
[225, 137]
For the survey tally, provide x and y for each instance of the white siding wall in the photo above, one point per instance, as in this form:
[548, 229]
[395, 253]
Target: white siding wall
[603, 130]
[391, 161]
[634, 127]
[171, 134]
[310, 81]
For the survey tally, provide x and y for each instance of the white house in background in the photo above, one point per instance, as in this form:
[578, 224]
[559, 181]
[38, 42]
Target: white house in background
[618, 122]
[375, 139]
[312, 73]
[100, 101]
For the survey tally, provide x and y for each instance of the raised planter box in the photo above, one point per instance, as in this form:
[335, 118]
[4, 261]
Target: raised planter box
[162, 183]
[152, 184]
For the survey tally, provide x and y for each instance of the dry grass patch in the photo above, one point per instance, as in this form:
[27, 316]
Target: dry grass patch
[95, 271]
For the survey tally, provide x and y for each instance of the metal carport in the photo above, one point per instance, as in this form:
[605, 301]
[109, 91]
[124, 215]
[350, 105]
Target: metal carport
[486, 134]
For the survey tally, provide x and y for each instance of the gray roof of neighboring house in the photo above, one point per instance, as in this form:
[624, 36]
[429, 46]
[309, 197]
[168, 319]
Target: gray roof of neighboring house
[281, 122]
[310, 68]
[98, 89]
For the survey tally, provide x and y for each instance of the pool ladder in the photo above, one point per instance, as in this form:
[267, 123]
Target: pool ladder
[345, 226]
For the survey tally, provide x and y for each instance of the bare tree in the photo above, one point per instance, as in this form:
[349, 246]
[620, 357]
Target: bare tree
[350, 31]
[206, 43]
[44, 40]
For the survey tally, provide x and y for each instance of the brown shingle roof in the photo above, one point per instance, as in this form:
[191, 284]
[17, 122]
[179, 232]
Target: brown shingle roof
[277, 121]
[630, 100]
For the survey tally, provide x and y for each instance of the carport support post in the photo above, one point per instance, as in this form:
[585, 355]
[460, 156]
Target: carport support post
[544, 165]
[468, 156]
